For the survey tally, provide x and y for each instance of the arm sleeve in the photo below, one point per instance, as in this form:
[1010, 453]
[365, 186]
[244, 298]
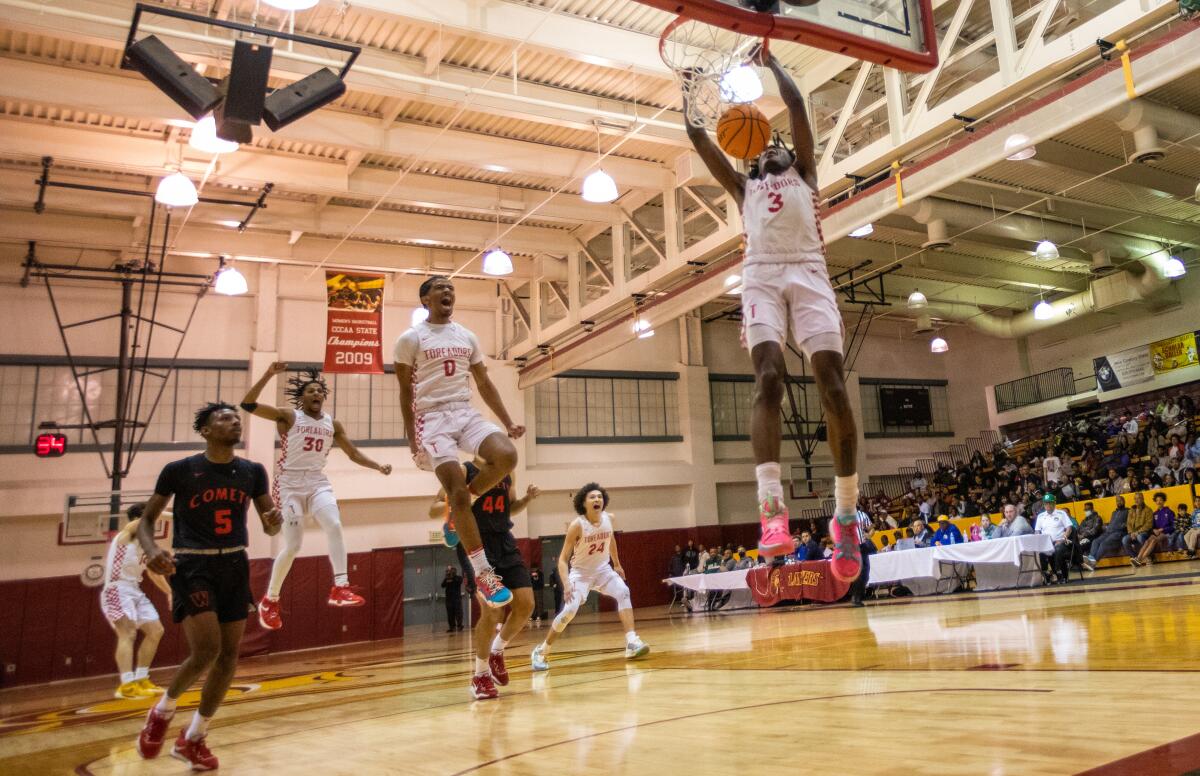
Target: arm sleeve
[407, 347]
[476, 351]
[165, 486]
[261, 482]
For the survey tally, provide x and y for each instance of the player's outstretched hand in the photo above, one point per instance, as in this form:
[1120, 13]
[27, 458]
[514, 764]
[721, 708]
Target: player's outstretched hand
[532, 492]
[515, 431]
[385, 469]
[279, 367]
[161, 562]
[272, 521]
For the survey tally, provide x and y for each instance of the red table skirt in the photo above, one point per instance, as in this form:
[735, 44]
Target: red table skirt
[809, 580]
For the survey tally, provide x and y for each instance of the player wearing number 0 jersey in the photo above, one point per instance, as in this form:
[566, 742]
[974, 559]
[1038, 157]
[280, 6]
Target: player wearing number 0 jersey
[591, 549]
[306, 433]
[433, 361]
[785, 284]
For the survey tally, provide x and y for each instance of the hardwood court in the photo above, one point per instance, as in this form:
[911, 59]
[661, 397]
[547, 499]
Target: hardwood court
[1056, 681]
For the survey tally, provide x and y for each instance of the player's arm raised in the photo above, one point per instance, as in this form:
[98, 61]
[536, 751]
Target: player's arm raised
[353, 453]
[572, 538]
[491, 397]
[612, 548]
[518, 504]
[715, 160]
[158, 560]
[285, 415]
[802, 135]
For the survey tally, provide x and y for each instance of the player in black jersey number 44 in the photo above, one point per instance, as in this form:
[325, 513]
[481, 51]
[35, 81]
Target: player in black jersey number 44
[208, 570]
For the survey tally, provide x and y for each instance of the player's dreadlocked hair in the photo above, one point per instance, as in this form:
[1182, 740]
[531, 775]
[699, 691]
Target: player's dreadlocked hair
[298, 382]
[204, 413]
[776, 140]
[582, 493]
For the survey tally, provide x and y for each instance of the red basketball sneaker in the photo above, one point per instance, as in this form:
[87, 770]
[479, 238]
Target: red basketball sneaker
[344, 595]
[846, 563]
[496, 666]
[194, 752]
[775, 540]
[150, 740]
[268, 614]
[483, 688]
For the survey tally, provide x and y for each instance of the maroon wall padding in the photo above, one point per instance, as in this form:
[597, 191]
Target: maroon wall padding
[387, 593]
[12, 620]
[36, 656]
[257, 640]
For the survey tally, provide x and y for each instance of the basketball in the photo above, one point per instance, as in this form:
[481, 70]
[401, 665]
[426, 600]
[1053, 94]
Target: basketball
[743, 131]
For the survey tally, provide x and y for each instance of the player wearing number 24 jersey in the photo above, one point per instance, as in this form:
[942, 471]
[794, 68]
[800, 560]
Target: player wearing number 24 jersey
[306, 433]
[785, 285]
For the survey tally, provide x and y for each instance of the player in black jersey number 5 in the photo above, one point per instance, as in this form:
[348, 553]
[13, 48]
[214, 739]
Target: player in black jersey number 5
[208, 570]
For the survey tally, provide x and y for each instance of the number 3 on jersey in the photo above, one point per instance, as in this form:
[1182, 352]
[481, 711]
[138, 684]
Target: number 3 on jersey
[776, 201]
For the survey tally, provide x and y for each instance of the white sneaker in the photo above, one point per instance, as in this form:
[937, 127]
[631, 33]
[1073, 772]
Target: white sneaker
[636, 648]
[537, 659]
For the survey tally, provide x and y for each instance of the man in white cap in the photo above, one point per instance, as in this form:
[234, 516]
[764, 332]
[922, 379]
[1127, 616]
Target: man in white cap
[1056, 524]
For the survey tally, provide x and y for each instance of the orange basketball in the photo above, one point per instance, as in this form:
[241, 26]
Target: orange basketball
[743, 131]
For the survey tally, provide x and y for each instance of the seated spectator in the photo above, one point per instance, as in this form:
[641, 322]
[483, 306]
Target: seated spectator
[1091, 527]
[812, 548]
[1056, 524]
[744, 560]
[885, 544]
[1109, 542]
[827, 548]
[1141, 521]
[1183, 522]
[1160, 531]
[1192, 536]
[921, 535]
[947, 533]
[986, 529]
[1013, 524]
[917, 483]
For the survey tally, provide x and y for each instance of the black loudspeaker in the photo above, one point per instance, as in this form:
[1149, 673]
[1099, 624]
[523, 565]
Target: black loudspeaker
[822, 433]
[247, 85]
[176, 78]
[302, 98]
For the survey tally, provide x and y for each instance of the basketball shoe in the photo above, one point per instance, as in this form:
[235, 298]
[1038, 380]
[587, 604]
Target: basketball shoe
[496, 666]
[149, 687]
[493, 591]
[846, 563]
[129, 691]
[268, 614]
[775, 540]
[449, 533]
[537, 659]
[344, 595]
[483, 688]
[636, 648]
[150, 740]
[194, 752]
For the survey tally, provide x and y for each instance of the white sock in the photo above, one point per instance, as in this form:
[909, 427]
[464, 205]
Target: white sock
[166, 705]
[341, 580]
[128, 676]
[630, 637]
[769, 484]
[845, 495]
[481, 666]
[142, 672]
[498, 644]
[198, 727]
[479, 561]
[544, 648]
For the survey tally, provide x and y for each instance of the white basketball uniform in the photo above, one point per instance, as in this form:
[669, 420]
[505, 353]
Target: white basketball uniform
[122, 596]
[591, 562]
[441, 357]
[784, 276]
[301, 487]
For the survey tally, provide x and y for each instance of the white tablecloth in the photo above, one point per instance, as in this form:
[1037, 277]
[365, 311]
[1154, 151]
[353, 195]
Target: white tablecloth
[998, 563]
[721, 580]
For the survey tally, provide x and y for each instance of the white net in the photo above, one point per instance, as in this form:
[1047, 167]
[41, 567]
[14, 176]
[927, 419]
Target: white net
[701, 55]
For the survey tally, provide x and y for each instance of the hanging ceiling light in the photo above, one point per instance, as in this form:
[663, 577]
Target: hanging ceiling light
[291, 5]
[917, 300]
[1018, 148]
[1174, 268]
[733, 284]
[863, 230]
[741, 84]
[1046, 251]
[418, 315]
[204, 138]
[229, 281]
[497, 262]
[176, 190]
[642, 329]
[1043, 311]
[938, 345]
[599, 187]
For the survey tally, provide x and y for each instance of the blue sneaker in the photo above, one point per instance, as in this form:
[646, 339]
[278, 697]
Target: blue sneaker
[494, 593]
[449, 535]
[537, 659]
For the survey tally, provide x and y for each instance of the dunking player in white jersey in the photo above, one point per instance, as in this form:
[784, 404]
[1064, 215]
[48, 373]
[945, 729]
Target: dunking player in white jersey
[785, 282]
[591, 548]
[307, 433]
[129, 610]
[433, 362]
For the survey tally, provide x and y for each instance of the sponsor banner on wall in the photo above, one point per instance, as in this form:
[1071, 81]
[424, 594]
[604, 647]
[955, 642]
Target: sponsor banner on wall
[1120, 370]
[354, 329]
[1173, 353]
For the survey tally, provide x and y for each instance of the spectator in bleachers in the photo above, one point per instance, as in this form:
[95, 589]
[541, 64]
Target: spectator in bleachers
[1090, 527]
[1056, 524]
[921, 535]
[1192, 536]
[1183, 522]
[918, 483]
[947, 533]
[1160, 531]
[1052, 468]
[1111, 541]
[1140, 524]
[1013, 524]
[1171, 412]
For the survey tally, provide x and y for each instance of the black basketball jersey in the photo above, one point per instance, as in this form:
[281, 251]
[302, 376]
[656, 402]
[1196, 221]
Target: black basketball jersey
[211, 500]
[492, 508]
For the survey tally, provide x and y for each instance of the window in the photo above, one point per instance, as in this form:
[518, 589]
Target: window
[589, 406]
[41, 389]
[732, 397]
[367, 406]
[897, 408]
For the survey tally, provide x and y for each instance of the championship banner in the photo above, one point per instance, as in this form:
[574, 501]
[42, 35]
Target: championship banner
[1173, 353]
[809, 580]
[354, 332]
[1119, 370]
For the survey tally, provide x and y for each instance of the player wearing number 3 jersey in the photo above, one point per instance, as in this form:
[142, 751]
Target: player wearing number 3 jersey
[785, 283]
[306, 433]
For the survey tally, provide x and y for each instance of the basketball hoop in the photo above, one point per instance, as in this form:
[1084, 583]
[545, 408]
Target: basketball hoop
[701, 55]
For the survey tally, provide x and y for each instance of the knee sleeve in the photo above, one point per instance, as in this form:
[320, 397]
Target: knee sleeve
[621, 596]
[293, 537]
[330, 519]
[565, 616]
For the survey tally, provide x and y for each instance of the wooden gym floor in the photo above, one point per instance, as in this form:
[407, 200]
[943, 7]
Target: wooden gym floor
[1100, 677]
